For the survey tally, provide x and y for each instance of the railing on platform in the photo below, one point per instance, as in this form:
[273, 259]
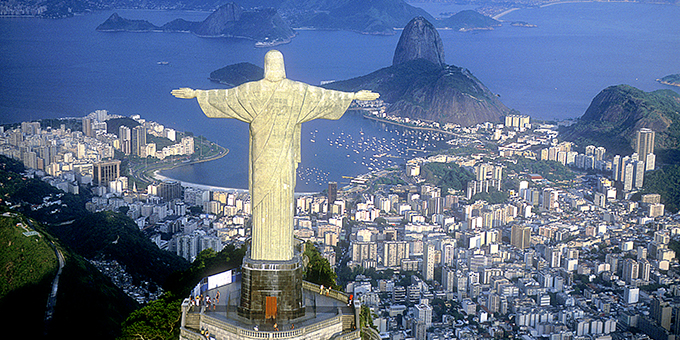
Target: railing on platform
[355, 334]
[335, 294]
[252, 334]
[371, 333]
[194, 316]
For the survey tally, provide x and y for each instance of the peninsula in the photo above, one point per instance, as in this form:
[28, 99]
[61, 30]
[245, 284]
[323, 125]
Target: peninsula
[672, 80]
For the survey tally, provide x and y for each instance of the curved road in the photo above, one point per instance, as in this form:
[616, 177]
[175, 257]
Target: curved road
[52, 299]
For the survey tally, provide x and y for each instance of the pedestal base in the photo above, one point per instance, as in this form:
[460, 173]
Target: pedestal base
[271, 289]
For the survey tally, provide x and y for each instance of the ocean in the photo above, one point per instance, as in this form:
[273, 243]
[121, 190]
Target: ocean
[64, 68]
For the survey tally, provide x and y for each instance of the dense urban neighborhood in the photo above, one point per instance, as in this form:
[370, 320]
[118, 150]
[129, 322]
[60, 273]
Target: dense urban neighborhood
[507, 232]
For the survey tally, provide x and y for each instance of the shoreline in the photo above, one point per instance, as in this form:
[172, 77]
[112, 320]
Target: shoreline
[387, 121]
[207, 187]
[499, 15]
[158, 176]
[668, 83]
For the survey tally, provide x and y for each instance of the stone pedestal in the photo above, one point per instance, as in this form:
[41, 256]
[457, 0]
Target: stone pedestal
[273, 281]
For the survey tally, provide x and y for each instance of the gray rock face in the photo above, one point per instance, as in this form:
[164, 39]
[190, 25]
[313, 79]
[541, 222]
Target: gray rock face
[419, 40]
[216, 23]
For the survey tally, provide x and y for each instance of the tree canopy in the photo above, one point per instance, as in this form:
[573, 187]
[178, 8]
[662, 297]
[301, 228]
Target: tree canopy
[319, 270]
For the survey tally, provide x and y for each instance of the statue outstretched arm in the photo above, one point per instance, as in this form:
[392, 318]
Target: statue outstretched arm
[215, 103]
[184, 93]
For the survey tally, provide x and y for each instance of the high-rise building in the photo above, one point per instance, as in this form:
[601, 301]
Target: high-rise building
[394, 252]
[631, 295]
[630, 270]
[87, 127]
[169, 190]
[627, 178]
[616, 168]
[590, 150]
[364, 251]
[656, 210]
[520, 236]
[549, 199]
[138, 140]
[638, 174]
[661, 312]
[644, 143]
[448, 279]
[622, 167]
[332, 192]
[650, 162]
[554, 257]
[424, 313]
[125, 137]
[428, 262]
[105, 172]
[644, 269]
[519, 121]
[30, 128]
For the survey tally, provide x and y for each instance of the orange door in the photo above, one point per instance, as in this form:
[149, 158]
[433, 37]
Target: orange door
[270, 307]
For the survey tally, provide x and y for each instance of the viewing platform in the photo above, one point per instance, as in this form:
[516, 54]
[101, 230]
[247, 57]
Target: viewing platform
[327, 316]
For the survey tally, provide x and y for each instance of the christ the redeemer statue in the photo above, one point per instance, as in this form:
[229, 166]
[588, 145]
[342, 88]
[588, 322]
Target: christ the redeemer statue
[275, 108]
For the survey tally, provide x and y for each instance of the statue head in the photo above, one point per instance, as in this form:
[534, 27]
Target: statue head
[273, 66]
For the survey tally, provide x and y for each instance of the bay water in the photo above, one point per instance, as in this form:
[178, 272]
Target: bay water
[64, 68]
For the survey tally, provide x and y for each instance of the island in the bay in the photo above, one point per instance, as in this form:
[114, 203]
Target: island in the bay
[672, 79]
[265, 26]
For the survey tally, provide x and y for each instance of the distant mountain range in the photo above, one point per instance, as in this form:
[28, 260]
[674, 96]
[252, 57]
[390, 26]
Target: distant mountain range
[617, 112]
[418, 85]
[348, 14]
[262, 25]
[371, 17]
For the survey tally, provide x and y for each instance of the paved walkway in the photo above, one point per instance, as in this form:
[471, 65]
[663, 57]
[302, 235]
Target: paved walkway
[318, 308]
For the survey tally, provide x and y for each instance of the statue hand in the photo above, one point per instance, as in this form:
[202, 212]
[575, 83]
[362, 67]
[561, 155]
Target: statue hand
[185, 93]
[366, 95]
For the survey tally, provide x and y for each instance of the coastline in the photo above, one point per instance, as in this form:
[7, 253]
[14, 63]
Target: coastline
[387, 121]
[668, 83]
[499, 15]
[158, 176]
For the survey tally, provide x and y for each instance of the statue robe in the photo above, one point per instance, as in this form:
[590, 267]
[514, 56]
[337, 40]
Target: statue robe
[275, 112]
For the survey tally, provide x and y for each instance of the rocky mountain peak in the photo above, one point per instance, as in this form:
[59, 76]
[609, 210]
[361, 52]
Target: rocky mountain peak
[419, 40]
[216, 22]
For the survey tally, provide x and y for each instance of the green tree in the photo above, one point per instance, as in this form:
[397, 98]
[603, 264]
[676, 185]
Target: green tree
[365, 317]
[319, 270]
[447, 175]
[665, 182]
[492, 197]
[157, 320]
